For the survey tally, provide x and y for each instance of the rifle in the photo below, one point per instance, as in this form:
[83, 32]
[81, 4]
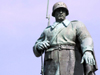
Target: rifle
[42, 66]
[47, 17]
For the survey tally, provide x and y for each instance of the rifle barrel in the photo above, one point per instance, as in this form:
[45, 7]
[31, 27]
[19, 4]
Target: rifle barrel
[47, 10]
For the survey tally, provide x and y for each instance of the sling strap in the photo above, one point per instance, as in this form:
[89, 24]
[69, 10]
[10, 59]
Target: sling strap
[58, 32]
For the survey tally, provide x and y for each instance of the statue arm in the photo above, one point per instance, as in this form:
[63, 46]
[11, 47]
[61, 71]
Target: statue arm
[86, 43]
[84, 37]
[35, 49]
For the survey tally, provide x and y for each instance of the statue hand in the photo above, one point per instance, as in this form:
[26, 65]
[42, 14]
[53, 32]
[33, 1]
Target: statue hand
[88, 57]
[43, 45]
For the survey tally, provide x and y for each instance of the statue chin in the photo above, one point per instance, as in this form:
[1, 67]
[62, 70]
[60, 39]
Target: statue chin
[60, 19]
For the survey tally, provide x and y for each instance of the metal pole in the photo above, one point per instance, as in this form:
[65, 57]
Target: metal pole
[42, 66]
[47, 9]
[48, 16]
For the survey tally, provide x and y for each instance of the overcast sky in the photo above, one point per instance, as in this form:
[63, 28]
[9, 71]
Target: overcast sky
[22, 22]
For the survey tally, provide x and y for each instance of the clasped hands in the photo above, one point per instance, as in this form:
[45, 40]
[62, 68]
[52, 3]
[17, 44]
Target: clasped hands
[43, 45]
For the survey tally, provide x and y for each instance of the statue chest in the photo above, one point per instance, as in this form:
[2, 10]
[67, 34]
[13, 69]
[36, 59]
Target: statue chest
[62, 35]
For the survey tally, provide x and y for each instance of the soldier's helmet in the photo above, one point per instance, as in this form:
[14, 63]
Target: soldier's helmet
[59, 5]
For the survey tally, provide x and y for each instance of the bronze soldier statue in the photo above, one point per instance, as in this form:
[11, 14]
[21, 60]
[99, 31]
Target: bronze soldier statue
[68, 46]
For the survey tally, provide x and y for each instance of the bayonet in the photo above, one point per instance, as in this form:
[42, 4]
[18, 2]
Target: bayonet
[48, 16]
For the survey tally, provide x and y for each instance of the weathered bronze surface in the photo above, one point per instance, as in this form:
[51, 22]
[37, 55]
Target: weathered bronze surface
[67, 45]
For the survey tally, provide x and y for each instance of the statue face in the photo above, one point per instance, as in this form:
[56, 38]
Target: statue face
[60, 14]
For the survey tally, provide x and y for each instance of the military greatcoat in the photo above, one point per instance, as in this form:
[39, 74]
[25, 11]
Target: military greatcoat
[68, 42]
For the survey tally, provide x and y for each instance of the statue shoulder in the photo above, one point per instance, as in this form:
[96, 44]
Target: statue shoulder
[77, 23]
[48, 27]
[74, 21]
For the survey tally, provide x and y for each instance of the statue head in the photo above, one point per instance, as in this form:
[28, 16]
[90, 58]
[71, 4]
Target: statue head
[59, 5]
[60, 11]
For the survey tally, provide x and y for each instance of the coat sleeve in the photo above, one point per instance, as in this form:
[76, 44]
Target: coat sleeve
[84, 37]
[35, 50]
[86, 44]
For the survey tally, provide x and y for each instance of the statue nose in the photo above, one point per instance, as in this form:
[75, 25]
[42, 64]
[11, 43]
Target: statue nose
[60, 11]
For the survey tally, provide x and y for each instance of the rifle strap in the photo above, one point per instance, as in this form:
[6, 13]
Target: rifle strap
[57, 33]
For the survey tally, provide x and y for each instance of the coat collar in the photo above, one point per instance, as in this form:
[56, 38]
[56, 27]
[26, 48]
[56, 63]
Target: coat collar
[65, 23]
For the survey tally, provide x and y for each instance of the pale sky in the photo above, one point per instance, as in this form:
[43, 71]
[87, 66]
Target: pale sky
[22, 22]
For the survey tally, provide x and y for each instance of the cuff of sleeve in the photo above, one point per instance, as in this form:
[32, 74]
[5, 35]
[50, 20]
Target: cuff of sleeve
[86, 49]
[36, 52]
